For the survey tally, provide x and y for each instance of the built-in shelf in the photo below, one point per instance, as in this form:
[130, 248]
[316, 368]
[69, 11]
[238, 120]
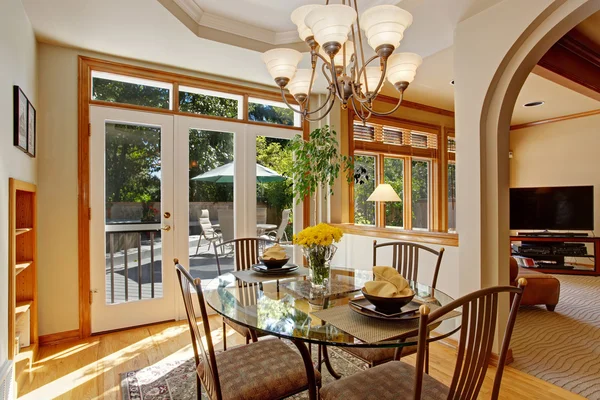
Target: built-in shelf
[23, 230]
[21, 266]
[21, 309]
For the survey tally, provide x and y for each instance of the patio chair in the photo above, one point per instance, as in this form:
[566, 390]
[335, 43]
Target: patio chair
[246, 252]
[405, 259]
[265, 370]
[279, 233]
[398, 379]
[207, 231]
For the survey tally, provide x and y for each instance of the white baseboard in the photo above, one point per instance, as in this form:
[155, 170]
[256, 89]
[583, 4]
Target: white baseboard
[7, 380]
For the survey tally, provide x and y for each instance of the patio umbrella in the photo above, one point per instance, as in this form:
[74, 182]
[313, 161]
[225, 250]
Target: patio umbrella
[224, 174]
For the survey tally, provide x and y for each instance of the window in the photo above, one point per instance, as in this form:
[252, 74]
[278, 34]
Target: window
[364, 178]
[208, 102]
[272, 112]
[405, 155]
[393, 173]
[129, 90]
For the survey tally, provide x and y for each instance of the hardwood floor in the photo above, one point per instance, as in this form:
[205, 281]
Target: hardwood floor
[89, 369]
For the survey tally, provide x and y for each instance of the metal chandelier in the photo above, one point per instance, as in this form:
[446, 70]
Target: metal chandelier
[351, 79]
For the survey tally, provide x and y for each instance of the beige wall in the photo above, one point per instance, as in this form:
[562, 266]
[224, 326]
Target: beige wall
[58, 244]
[17, 67]
[558, 154]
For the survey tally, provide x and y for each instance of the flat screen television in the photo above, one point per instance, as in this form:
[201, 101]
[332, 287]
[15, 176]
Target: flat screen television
[569, 208]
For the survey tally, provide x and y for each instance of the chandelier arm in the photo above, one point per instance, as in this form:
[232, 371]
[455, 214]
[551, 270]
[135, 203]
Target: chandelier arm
[360, 112]
[336, 82]
[358, 95]
[323, 67]
[301, 111]
[320, 108]
[362, 53]
[381, 80]
[324, 114]
[310, 87]
[382, 114]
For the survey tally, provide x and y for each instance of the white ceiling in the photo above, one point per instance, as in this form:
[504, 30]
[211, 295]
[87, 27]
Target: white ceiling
[146, 30]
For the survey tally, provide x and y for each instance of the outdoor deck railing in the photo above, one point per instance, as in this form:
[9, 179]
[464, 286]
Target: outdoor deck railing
[124, 243]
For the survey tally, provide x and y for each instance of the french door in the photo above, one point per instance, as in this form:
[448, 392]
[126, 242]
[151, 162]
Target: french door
[152, 177]
[131, 229]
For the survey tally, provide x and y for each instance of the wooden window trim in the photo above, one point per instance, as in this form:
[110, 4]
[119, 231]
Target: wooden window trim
[438, 238]
[85, 67]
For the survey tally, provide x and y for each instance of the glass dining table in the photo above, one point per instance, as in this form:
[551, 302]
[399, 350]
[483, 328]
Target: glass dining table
[290, 309]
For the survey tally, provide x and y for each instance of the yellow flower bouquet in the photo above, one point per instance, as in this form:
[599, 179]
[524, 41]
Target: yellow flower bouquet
[318, 245]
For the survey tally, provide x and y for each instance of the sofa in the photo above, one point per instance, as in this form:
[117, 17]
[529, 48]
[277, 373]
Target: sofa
[541, 288]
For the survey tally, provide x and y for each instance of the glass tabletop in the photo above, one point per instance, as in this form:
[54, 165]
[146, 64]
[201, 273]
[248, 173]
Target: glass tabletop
[284, 308]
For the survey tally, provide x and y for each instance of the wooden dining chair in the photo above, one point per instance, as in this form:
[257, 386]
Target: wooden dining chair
[264, 370]
[398, 379]
[246, 252]
[405, 259]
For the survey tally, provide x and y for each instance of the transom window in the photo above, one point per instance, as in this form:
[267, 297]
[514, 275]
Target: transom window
[131, 90]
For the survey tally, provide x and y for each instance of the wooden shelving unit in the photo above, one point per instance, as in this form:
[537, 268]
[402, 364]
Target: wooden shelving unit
[22, 296]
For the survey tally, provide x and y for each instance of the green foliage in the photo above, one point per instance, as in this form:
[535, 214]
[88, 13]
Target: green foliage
[274, 115]
[209, 150]
[393, 173]
[275, 154]
[364, 211]
[318, 162]
[130, 93]
[420, 192]
[208, 105]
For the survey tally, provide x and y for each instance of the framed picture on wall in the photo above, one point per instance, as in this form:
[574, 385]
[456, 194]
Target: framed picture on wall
[31, 130]
[20, 120]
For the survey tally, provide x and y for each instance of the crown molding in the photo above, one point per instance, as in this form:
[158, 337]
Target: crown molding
[224, 24]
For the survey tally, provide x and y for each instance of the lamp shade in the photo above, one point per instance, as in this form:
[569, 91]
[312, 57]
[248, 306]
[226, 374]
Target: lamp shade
[282, 63]
[298, 16]
[300, 84]
[385, 24]
[373, 77]
[402, 67]
[339, 57]
[384, 192]
[331, 23]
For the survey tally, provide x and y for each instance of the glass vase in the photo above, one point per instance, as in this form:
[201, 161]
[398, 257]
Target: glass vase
[319, 264]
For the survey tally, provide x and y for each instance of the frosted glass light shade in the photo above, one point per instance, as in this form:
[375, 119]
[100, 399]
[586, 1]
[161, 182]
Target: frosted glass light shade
[384, 192]
[339, 57]
[331, 23]
[373, 77]
[298, 16]
[402, 67]
[301, 82]
[385, 25]
[282, 63]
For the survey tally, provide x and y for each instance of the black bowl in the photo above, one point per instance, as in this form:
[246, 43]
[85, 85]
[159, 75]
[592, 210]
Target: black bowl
[388, 304]
[272, 263]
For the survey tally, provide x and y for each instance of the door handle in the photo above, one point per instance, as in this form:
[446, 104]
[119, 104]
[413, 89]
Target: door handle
[166, 228]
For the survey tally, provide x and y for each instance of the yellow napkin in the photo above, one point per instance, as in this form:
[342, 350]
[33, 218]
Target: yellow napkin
[388, 283]
[274, 253]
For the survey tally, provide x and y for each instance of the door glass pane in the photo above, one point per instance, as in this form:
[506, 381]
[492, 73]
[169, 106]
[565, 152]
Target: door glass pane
[274, 196]
[129, 90]
[420, 194]
[393, 173]
[364, 185]
[133, 208]
[451, 197]
[210, 201]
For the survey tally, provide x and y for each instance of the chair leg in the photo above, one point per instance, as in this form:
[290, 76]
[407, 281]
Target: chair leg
[427, 358]
[550, 307]
[198, 245]
[199, 387]
[224, 337]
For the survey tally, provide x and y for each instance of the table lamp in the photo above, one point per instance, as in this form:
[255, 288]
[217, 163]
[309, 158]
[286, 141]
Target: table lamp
[384, 192]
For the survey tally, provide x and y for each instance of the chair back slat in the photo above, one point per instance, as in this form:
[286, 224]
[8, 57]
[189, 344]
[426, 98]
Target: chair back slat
[202, 354]
[478, 326]
[405, 259]
[246, 252]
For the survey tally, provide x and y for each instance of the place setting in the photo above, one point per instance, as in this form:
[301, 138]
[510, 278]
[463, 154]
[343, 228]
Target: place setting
[274, 264]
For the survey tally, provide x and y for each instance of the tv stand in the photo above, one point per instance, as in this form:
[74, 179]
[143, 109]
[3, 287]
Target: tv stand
[561, 261]
[552, 234]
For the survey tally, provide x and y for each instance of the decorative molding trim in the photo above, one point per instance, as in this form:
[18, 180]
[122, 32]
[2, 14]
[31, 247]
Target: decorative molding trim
[415, 106]
[555, 119]
[191, 8]
[7, 381]
[59, 337]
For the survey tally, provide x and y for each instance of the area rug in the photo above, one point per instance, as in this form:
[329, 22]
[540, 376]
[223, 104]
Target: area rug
[563, 347]
[176, 380]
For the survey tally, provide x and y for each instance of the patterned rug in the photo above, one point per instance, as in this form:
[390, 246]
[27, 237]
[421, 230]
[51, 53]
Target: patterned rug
[563, 347]
[176, 380]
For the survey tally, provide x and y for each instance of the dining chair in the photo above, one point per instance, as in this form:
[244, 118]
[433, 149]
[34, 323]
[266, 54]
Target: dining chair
[405, 259]
[397, 379]
[264, 370]
[245, 253]
[207, 231]
[279, 233]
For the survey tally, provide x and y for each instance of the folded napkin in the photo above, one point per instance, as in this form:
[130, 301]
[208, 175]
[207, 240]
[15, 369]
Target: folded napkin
[388, 283]
[274, 253]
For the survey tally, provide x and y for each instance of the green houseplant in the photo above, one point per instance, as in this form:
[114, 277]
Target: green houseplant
[318, 163]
